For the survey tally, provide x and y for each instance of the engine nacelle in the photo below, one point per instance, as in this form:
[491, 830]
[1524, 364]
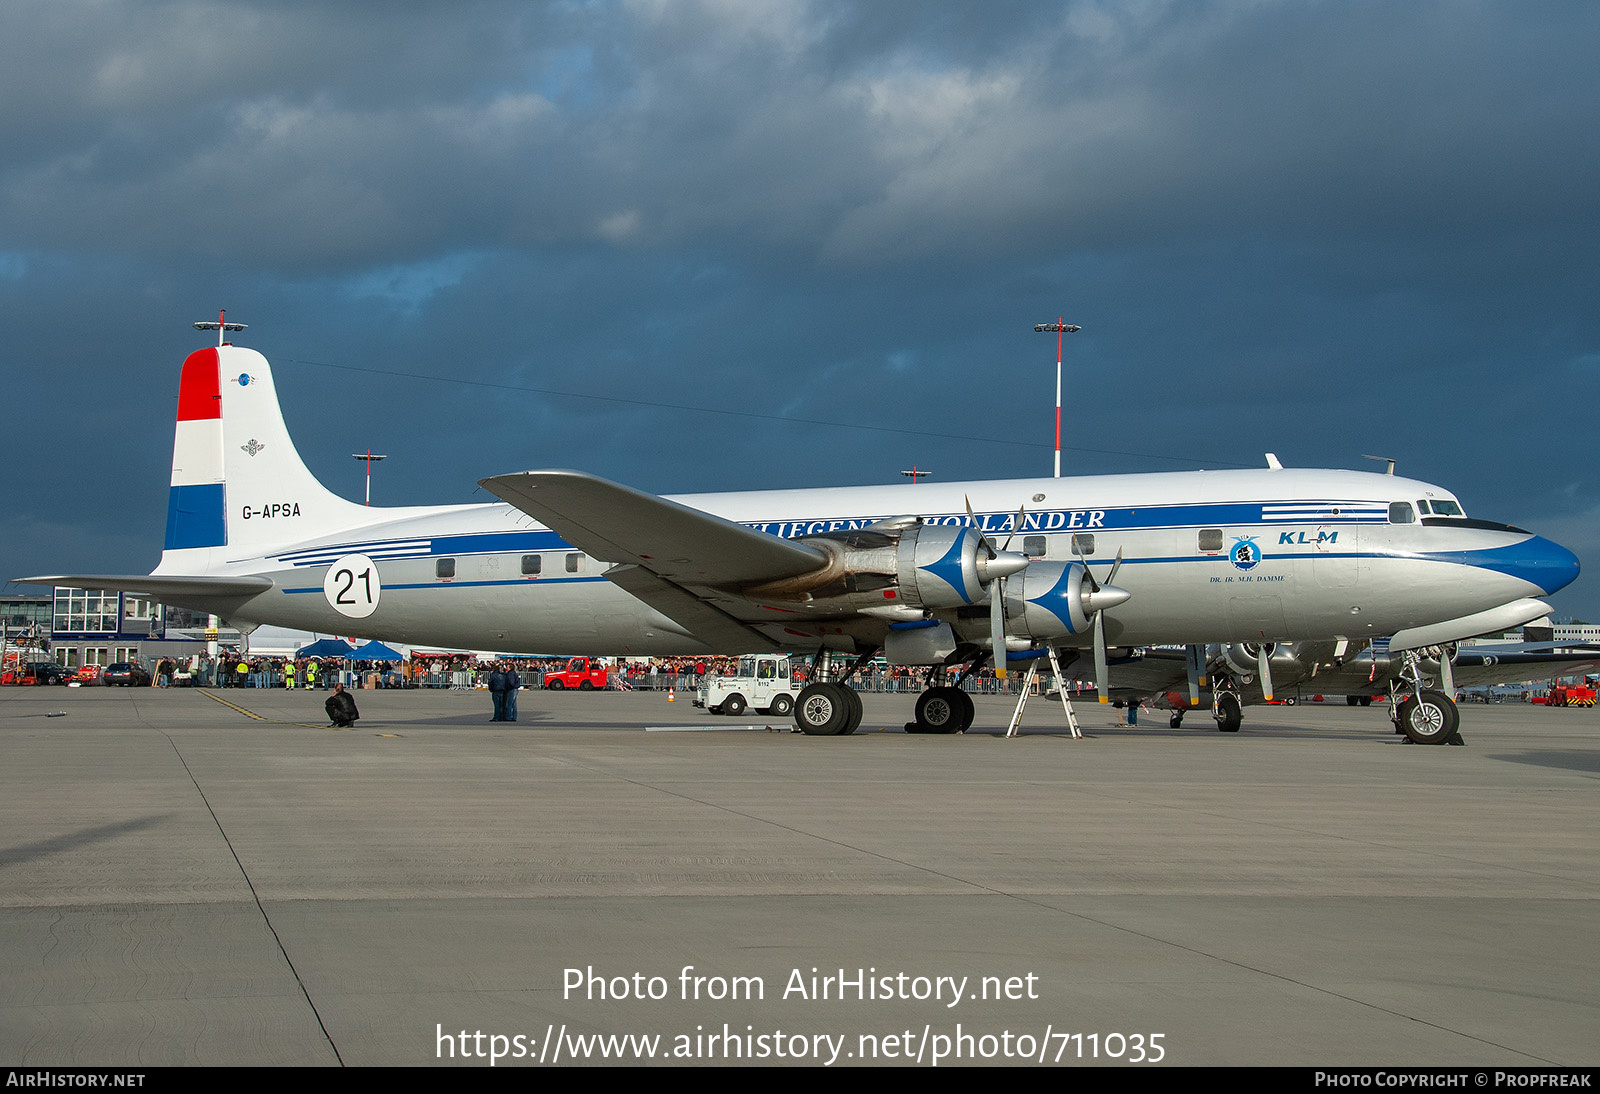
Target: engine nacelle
[896, 567]
[1047, 601]
[1056, 599]
[1241, 658]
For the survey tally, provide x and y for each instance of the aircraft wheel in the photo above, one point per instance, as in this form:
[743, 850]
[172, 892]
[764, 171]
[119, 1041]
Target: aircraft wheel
[781, 706]
[1430, 718]
[1290, 701]
[822, 710]
[1366, 700]
[939, 711]
[734, 705]
[968, 710]
[1229, 716]
[1176, 721]
[854, 700]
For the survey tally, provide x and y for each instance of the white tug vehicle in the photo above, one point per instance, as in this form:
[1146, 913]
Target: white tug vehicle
[763, 682]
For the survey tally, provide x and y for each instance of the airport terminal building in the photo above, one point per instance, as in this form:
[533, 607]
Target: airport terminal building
[99, 627]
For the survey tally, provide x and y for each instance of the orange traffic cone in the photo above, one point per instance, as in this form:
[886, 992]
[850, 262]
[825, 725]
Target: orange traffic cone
[671, 696]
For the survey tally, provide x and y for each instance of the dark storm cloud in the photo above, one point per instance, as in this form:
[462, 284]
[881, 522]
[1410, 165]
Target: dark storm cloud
[1321, 228]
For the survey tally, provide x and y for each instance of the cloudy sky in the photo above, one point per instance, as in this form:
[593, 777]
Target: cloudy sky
[482, 237]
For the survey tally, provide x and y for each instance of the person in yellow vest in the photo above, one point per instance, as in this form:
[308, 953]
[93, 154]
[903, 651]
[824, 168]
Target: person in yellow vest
[311, 675]
[288, 675]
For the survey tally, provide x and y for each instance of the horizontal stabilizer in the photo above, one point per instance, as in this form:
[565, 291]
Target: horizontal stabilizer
[619, 524]
[182, 591]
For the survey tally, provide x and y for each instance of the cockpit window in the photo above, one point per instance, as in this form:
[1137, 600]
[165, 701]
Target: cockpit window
[1447, 508]
[1400, 512]
[1423, 507]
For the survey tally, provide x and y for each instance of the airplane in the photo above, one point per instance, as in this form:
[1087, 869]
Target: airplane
[924, 573]
[1232, 674]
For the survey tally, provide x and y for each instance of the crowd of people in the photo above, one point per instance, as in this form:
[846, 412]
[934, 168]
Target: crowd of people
[465, 671]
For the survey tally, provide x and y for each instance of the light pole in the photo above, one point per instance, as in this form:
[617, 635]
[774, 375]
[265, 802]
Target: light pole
[370, 459]
[1061, 327]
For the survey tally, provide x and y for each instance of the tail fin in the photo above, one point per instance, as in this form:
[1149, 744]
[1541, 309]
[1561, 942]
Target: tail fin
[237, 481]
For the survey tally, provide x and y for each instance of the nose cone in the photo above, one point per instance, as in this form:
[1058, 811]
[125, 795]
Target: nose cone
[1003, 564]
[1540, 562]
[1109, 596]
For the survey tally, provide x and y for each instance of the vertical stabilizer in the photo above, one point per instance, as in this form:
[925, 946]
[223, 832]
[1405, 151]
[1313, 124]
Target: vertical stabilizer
[237, 481]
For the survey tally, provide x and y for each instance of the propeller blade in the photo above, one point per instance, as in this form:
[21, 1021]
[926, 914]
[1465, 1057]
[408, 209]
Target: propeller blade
[972, 522]
[1115, 566]
[1447, 675]
[997, 626]
[1265, 667]
[1102, 676]
[1021, 512]
[1094, 585]
[1191, 658]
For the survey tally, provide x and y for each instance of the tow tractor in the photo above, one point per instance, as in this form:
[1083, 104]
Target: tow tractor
[762, 683]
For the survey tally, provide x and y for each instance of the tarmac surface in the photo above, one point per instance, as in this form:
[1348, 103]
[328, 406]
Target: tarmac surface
[184, 882]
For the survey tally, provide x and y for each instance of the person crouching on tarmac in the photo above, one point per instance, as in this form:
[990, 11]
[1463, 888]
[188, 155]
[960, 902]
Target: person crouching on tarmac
[341, 708]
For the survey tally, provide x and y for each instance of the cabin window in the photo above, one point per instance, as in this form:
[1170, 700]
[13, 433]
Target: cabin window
[1033, 546]
[1400, 513]
[444, 568]
[574, 563]
[532, 565]
[1211, 539]
[1083, 543]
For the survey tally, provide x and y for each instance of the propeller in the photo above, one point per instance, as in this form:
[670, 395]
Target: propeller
[999, 565]
[1099, 599]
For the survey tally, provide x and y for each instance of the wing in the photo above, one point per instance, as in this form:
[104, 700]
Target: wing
[1139, 674]
[670, 556]
[1475, 669]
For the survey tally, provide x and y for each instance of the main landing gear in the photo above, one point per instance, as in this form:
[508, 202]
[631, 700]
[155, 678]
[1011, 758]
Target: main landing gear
[942, 710]
[946, 708]
[827, 710]
[1225, 705]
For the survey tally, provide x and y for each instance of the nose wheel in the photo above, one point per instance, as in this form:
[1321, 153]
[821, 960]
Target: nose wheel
[1429, 718]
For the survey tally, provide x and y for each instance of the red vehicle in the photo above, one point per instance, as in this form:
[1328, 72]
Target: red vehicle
[1578, 695]
[581, 673]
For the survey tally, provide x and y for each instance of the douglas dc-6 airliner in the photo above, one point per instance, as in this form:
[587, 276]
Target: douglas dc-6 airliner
[925, 574]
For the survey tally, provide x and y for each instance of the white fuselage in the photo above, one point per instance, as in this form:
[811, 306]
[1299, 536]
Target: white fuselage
[1208, 557]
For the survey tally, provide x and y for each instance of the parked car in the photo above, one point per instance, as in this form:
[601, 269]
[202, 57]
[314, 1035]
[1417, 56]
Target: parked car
[45, 672]
[126, 674]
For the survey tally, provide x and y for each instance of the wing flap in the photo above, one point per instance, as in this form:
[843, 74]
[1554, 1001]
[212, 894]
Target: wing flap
[717, 629]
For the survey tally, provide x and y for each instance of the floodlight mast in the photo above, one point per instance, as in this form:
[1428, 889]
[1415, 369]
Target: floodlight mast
[371, 459]
[1060, 326]
[221, 326]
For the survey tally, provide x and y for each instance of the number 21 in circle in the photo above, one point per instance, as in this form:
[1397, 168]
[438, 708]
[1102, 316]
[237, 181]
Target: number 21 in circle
[352, 586]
